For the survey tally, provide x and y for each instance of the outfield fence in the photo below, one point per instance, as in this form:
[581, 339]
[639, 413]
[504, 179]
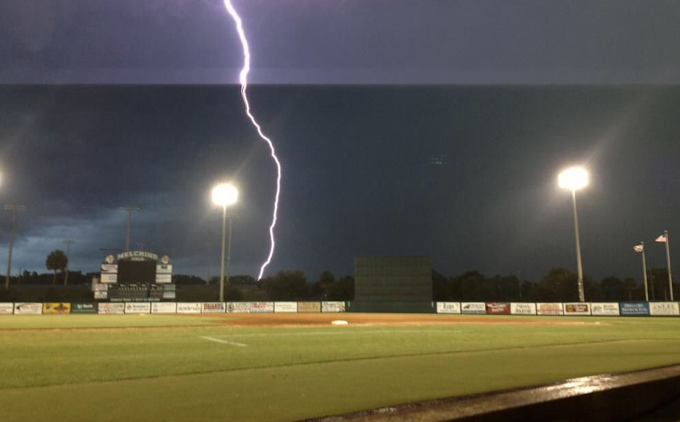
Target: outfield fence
[562, 308]
[136, 308]
[467, 308]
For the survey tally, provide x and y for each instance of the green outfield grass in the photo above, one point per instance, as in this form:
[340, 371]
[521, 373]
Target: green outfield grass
[176, 368]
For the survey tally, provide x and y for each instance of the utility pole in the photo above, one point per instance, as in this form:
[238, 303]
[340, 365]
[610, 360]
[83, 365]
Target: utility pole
[68, 244]
[130, 209]
[13, 209]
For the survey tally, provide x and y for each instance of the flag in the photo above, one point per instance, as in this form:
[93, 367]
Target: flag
[661, 239]
[639, 248]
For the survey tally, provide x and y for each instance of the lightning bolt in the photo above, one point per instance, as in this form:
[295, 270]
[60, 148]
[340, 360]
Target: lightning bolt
[243, 77]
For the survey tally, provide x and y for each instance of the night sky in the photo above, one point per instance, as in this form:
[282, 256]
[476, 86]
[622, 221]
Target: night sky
[437, 130]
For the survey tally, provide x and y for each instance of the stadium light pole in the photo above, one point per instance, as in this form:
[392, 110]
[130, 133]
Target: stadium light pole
[129, 209]
[574, 179]
[224, 195]
[68, 244]
[13, 209]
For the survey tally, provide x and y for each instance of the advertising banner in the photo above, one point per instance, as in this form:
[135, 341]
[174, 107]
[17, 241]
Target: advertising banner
[309, 306]
[28, 308]
[332, 306]
[163, 308]
[109, 268]
[523, 309]
[607, 309]
[188, 308]
[111, 308]
[212, 307]
[664, 308]
[100, 294]
[550, 309]
[289, 307]
[83, 308]
[448, 307]
[261, 307]
[99, 287]
[577, 308]
[169, 295]
[495, 308]
[164, 269]
[6, 308]
[473, 307]
[238, 307]
[137, 308]
[163, 278]
[56, 308]
[634, 308]
[109, 278]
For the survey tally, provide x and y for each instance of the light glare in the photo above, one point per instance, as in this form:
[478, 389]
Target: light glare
[224, 195]
[574, 178]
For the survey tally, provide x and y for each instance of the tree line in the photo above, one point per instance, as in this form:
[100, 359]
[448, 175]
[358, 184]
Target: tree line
[558, 285]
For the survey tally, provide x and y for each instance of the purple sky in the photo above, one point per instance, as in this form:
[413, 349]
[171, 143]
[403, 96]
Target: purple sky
[341, 41]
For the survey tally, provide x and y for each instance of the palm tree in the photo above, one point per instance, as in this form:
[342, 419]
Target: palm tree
[56, 261]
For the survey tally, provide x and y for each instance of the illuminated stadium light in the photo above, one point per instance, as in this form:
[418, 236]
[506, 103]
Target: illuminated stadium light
[574, 178]
[224, 195]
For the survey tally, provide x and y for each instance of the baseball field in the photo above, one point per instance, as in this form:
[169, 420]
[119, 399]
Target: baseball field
[285, 367]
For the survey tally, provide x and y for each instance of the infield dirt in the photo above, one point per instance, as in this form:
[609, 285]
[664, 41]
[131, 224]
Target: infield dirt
[317, 319]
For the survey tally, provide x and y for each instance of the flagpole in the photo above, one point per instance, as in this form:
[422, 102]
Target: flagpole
[668, 261]
[644, 271]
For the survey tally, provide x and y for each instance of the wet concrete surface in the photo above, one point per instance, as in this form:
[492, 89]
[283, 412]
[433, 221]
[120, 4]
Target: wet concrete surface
[669, 412]
[633, 396]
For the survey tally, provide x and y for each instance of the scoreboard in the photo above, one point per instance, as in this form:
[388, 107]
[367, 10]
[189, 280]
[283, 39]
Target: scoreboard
[135, 276]
[136, 272]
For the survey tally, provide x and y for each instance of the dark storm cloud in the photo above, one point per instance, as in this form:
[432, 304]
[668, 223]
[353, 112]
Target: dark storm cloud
[464, 174]
[349, 41]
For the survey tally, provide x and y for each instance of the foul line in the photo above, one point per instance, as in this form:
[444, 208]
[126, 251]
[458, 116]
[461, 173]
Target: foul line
[225, 342]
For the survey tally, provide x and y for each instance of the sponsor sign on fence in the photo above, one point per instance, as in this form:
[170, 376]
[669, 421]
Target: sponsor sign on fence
[523, 308]
[495, 308]
[111, 308]
[28, 308]
[634, 308]
[56, 308]
[238, 307]
[610, 309]
[309, 306]
[448, 307]
[83, 308]
[212, 307]
[163, 308]
[101, 294]
[6, 308]
[473, 307]
[332, 306]
[169, 295]
[285, 307]
[577, 308]
[137, 307]
[188, 308]
[261, 307]
[664, 308]
[550, 309]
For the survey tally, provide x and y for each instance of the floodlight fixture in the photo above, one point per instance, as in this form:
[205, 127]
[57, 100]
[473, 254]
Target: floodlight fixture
[574, 178]
[224, 194]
